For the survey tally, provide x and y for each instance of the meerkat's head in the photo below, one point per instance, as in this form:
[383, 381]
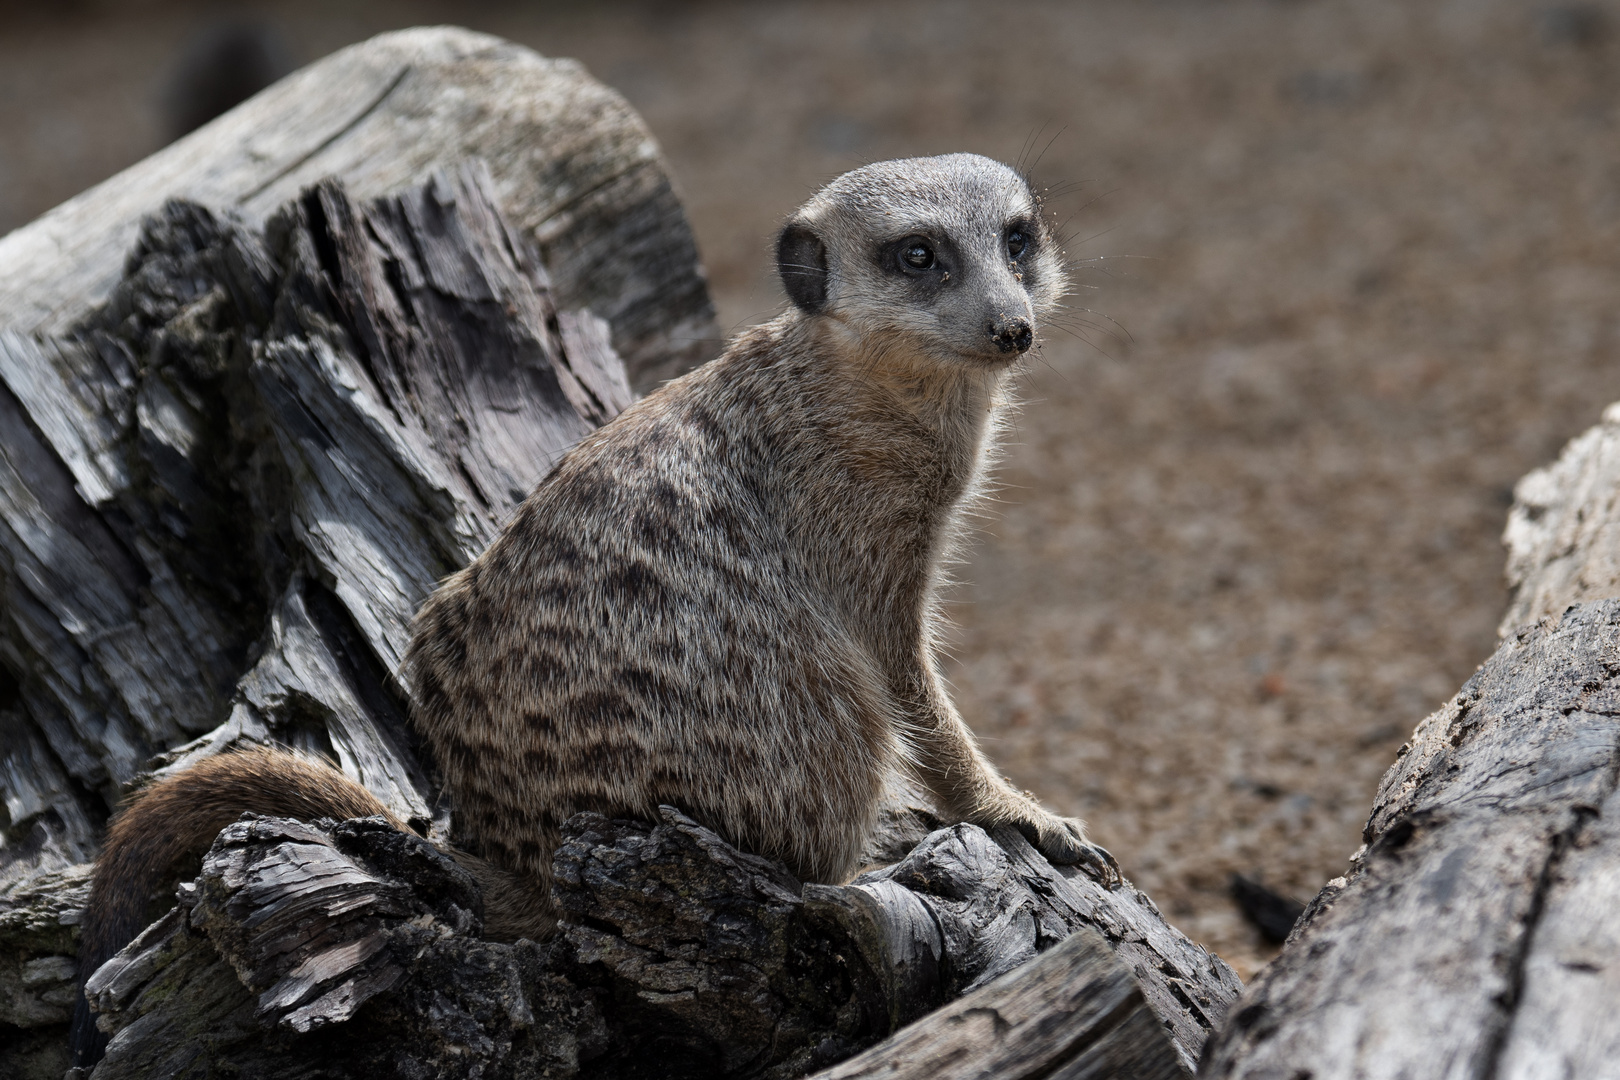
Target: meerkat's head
[948, 257]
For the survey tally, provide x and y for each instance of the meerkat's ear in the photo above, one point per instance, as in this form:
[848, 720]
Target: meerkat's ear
[801, 259]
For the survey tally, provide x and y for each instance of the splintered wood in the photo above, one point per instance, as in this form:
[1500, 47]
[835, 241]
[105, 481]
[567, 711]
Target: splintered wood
[177, 461]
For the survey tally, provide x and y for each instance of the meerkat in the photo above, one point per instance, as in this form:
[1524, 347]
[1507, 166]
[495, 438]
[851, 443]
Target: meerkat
[727, 599]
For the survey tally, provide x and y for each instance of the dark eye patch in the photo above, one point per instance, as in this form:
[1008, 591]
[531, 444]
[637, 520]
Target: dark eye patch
[915, 256]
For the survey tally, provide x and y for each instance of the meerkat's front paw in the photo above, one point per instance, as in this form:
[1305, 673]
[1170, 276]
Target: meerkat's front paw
[1063, 842]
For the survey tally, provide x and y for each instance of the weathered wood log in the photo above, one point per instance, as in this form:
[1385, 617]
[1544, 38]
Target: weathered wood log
[575, 168]
[39, 918]
[137, 577]
[317, 431]
[37, 921]
[290, 931]
[1074, 1013]
[1563, 533]
[296, 433]
[352, 948]
[1477, 934]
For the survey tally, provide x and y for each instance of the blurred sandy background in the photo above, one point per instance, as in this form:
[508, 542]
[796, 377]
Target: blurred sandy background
[1352, 267]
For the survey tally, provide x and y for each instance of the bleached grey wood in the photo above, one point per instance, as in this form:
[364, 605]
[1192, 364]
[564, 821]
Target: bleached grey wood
[575, 169]
[1561, 1026]
[1476, 932]
[1185, 985]
[1563, 533]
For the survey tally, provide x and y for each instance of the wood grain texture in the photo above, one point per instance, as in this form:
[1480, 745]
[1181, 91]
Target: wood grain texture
[259, 456]
[1560, 1028]
[292, 932]
[165, 428]
[1563, 533]
[353, 948]
[137, 574]
[1469, 940]
[1073, 1013]
[39, 935]
[575, 169]
[965, 907]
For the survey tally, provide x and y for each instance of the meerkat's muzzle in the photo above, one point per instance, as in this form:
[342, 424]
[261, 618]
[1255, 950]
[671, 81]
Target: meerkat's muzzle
[1011, 335]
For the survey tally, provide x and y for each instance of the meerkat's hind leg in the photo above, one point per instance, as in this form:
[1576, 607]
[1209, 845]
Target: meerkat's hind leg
[515, 906]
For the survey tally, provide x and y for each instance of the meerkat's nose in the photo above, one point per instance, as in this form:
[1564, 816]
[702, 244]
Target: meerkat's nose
[1011, 335]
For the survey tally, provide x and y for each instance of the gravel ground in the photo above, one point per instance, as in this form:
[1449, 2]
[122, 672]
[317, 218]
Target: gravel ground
[1349, 270]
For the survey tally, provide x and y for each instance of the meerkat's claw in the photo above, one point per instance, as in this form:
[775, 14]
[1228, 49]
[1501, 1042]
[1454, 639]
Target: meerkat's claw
[1101, 864]
[1063, 842]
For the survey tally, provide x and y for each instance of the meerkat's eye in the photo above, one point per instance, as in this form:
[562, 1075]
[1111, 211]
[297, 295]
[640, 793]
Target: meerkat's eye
[917, 253]
[1017, 242]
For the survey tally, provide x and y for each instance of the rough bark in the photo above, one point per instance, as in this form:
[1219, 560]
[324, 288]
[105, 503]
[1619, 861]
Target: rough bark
[1476, 934]
[1074, 1013]
[170, 513]
[38, 918]
[351, 949]
[270, 448]
[1563, 533]
[575, 169]
[296, 433]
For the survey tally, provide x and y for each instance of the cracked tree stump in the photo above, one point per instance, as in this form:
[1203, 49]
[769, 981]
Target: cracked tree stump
[575, 169]
[139, 582]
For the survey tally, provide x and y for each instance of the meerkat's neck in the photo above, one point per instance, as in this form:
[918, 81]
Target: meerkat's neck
[903, 443]
[957, 403]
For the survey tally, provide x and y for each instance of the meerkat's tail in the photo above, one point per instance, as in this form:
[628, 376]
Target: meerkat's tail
[177, 819]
